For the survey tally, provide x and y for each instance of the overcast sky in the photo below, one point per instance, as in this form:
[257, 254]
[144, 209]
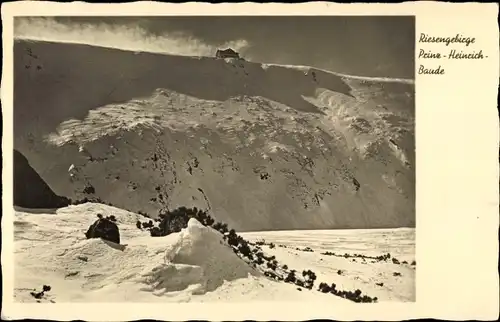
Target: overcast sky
[360, 45]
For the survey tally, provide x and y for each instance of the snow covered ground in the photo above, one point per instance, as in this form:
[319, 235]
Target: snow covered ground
[260, 146]
[196, 265]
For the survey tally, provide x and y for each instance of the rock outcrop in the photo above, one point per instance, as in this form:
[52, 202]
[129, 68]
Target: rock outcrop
[262, 147]
[30, 190]
[104, 228]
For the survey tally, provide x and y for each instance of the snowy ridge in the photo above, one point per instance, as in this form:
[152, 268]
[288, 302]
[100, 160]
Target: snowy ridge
[287, 148]
[363, 78]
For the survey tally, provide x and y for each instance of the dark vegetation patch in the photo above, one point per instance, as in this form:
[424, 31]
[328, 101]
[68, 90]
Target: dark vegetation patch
[40, 295]
[175, 220]
[380, 258]
[89, 189]
[355, 296]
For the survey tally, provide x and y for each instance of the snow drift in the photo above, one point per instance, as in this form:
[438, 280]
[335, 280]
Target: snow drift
[196, 260]
[260, 146]
[195, 264]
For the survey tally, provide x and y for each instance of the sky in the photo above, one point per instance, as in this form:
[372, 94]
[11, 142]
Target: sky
[381, 46]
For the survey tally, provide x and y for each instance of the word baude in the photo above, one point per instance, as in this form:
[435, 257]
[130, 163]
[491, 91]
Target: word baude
[430, 71]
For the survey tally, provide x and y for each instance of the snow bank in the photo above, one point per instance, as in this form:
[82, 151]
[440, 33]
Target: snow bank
[199, 257]
[193, 265]
[52, 250]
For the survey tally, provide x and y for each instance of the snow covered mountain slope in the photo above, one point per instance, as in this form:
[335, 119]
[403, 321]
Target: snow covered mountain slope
[194, 265]
[261, 146]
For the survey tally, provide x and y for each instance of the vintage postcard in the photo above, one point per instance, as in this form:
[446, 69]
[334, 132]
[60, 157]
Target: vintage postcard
[250, 161]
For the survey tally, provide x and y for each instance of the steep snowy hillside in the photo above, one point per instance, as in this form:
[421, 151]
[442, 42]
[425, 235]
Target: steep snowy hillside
[196, 264]
[260, 146]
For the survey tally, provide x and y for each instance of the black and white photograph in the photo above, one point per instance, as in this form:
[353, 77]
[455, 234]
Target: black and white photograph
[214, 159]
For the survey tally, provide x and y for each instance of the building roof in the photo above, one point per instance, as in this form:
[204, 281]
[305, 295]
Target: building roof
[228, 50]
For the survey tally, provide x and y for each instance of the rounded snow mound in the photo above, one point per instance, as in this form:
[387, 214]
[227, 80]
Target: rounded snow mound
[198, 257]
[52, 249]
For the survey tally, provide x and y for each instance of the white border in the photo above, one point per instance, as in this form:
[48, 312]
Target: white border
[457, 138]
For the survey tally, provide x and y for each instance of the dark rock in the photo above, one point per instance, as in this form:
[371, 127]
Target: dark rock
[30, 190]
[356, 184]
[104, 228]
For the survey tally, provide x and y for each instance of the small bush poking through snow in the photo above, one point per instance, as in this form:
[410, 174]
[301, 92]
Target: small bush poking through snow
[377, 258]
[291, 277]
[353, 296]
[309, 277]
[174, 221]
[222, 228]
[39, 295]
[148, 224]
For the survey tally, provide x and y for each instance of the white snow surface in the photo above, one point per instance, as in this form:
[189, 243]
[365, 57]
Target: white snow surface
[196, 264]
